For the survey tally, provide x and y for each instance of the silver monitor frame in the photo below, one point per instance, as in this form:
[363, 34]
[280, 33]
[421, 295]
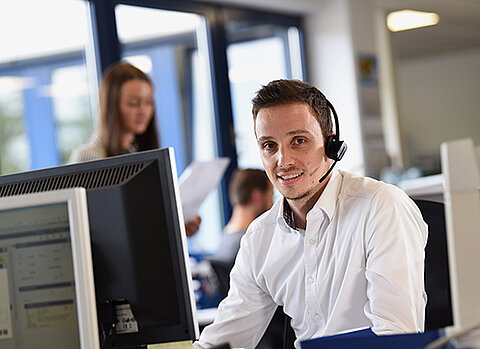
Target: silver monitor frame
[76, 201]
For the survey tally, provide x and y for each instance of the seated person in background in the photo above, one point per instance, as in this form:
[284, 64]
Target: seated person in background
[250, 193]
[127, 120]
[339, 253]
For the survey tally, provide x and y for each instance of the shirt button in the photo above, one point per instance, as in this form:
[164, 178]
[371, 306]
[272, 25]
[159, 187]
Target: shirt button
[316, 316]
[310, 280]
[311, 241]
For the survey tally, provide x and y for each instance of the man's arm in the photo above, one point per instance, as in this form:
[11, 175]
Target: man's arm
[245, 313]
[396, 236]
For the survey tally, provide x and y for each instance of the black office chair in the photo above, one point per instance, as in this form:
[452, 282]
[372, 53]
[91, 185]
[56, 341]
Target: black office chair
[438, 313]
[288, 334]
[222, 271]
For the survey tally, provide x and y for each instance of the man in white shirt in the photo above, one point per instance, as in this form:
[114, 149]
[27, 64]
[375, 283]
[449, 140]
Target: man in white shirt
[339, 252]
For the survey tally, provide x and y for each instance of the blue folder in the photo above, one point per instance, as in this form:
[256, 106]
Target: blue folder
[367, 339]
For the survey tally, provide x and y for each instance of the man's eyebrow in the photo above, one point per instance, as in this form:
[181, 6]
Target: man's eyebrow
[298, 132]
[290, 133]
[264, 138]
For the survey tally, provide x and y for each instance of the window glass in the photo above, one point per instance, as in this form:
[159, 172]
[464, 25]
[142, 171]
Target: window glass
[71, 104]
[256, 55]
[171, 47]
[251, 64]
[14, 152]
[39, 50]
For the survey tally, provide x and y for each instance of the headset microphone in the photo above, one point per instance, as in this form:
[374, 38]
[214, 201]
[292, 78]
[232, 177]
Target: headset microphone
[334, 147]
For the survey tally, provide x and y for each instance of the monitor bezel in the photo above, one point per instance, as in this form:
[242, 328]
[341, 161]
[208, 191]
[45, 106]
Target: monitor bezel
[76, 201]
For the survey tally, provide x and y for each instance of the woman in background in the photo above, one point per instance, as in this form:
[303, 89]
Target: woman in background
[127, 115]
[127, 120]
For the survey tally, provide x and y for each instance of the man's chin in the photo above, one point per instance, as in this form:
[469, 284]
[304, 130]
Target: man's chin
[296, 196]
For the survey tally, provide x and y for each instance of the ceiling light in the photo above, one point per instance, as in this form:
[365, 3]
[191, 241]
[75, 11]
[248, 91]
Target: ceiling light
[410, 19]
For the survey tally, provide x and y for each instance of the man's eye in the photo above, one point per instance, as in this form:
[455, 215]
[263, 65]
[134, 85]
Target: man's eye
[299, 141]
[268, 146]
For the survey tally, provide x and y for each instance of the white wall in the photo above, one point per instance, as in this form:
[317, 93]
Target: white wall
[438, 100]
[331, 68]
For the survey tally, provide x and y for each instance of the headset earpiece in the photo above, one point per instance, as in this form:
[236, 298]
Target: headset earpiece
[335, 148]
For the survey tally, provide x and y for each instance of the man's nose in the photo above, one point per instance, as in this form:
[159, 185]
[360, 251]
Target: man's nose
[285, 157]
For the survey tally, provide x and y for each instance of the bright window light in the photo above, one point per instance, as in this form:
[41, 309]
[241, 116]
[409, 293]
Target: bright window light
[410, 19]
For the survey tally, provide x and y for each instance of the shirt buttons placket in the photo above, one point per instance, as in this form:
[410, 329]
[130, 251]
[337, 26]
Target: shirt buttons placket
[311, 269]
[310, 289]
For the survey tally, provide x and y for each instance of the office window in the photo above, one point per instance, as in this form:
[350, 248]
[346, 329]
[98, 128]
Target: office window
[14, 152]
[38, 50]
[71, 105]
[171, 47]
[257, 54]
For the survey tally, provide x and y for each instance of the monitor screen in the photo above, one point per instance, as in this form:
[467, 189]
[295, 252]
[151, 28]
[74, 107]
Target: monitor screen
[142, 273]
[46, 278]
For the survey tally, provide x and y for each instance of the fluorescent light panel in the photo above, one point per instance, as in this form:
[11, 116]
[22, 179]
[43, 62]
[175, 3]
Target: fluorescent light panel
[410, 19]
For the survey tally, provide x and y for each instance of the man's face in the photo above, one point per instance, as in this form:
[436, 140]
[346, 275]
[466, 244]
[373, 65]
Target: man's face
[292, 149]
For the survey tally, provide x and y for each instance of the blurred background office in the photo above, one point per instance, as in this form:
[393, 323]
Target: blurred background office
[398, 94]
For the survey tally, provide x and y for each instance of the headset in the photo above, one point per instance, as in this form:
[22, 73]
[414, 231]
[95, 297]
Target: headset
[334, 147]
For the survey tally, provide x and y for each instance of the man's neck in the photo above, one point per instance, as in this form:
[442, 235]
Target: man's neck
[301, 207]
[241, 218]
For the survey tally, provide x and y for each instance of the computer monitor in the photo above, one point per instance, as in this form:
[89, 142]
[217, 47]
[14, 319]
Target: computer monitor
[139, 250]
[461, 171]
[47, 297]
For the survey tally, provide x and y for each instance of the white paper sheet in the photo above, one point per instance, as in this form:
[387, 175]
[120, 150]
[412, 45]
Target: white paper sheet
[197, 181]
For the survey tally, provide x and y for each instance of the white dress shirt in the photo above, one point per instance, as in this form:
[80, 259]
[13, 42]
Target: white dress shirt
[358, 264]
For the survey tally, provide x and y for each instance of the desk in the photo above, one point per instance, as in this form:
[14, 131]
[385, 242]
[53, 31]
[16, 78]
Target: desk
[206, 316]
[425, 188]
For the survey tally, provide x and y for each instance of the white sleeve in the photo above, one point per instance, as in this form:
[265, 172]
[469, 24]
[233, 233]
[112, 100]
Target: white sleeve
[245, 313]
[395, 242]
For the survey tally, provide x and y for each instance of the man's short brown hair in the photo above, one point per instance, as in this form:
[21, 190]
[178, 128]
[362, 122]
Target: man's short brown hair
[243, 182]
[279, 92]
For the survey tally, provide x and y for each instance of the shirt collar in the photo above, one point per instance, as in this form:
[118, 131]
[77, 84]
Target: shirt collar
[285, 218]
[326, 203]
[328, 200]
[288, 216]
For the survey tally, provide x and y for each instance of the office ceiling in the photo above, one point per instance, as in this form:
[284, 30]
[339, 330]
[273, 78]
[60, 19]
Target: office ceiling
[459, 27]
